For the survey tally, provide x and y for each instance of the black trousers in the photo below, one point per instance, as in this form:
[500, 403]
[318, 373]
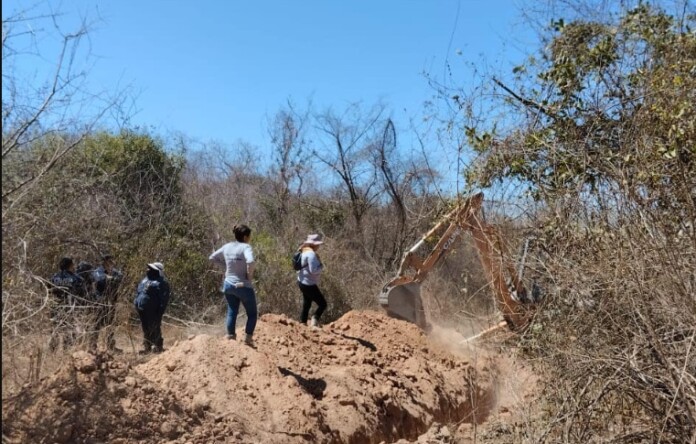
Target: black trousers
[311, 293]
[63, 320]
[151, 321]
[105, 315]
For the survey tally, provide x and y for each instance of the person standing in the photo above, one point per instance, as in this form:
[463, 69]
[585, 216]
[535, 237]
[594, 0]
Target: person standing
[84, 271]
[107, 279]
[151, 301]
[238, 258]
[67, 289]
[308, 279]
[84, 306]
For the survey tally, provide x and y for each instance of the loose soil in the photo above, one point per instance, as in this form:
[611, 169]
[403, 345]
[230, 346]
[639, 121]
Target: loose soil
[365, 378]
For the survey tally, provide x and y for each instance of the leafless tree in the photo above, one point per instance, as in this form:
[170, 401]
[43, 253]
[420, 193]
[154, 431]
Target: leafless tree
[288, 132]
[347, 141]
[58, 108]
[399, 175]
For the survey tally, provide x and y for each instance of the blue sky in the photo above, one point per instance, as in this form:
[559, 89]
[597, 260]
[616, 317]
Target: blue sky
[216, 70]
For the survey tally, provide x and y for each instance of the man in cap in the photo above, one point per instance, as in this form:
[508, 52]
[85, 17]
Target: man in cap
[66, 288]
[151, 301]
[85, 305]
[107, 279]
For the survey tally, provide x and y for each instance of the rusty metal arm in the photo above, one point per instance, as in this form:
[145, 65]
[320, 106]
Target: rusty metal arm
[501, 273]
[453, 232]
[508, 290]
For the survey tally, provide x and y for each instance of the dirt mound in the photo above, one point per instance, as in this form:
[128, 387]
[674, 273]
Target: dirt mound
[96, 399]
[365, 378]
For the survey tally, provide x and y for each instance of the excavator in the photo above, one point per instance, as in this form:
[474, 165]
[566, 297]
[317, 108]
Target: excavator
[401, 297]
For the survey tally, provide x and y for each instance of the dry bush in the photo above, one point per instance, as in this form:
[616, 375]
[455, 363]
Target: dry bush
[619, 333]
[598, 130]
[112, 193]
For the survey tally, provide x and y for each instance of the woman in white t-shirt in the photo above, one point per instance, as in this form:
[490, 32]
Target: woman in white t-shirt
[238, 258]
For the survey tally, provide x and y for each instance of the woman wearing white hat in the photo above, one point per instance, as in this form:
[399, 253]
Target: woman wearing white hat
[308, 279]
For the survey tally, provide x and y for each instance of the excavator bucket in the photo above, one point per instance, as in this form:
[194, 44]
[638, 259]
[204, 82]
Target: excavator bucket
[403, 301]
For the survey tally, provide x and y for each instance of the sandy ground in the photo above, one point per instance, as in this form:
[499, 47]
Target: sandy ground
[365, 378]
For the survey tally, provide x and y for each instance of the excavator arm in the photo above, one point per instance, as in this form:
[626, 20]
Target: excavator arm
[401, 297]
[508, 289]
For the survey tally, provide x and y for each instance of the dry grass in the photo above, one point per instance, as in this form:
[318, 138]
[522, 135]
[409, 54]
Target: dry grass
[618, 336]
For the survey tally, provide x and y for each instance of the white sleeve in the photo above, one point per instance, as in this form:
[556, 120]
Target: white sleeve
[249, 254]
[313, 263]
[218, 256]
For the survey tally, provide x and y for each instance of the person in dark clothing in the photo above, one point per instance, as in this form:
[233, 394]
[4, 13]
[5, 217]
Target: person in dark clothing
[107, 279]
[67, 288]
[84, 271]
[151, 301]
[84, 306]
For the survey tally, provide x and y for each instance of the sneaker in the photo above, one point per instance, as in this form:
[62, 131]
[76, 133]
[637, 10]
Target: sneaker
[145, 351]
[232, 337]
[157, 349]
[248, 340]
[314, 323]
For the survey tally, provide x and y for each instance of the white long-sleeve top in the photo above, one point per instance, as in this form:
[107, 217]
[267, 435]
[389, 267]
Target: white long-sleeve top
[311, 268]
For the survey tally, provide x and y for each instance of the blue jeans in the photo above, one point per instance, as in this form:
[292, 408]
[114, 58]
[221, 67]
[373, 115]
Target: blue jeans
[247, 297]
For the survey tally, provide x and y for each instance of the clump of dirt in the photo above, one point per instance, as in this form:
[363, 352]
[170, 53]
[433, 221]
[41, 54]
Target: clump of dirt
[437, 434]
[365, 378]
[95, 398]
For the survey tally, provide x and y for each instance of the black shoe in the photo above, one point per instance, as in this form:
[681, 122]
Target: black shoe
[157, 349]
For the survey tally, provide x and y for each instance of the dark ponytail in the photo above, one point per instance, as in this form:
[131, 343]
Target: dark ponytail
[240, 232]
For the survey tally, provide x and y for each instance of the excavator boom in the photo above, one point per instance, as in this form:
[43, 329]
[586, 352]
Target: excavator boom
[401, 296]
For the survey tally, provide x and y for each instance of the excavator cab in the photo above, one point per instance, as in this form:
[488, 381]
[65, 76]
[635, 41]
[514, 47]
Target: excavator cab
[401, 297]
